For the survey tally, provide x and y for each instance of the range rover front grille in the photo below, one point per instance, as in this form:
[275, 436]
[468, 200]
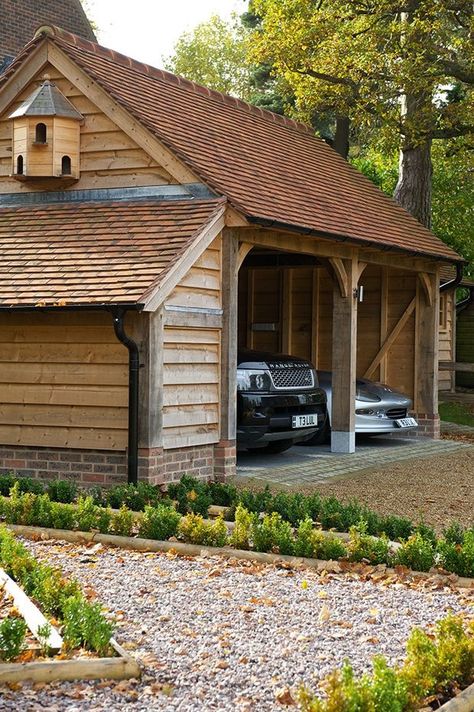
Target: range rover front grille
[396, 413]
[287, 378]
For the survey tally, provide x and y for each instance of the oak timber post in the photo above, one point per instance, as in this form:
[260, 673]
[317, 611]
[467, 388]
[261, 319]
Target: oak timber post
[426, 356]
[225, 451]
[344, 357]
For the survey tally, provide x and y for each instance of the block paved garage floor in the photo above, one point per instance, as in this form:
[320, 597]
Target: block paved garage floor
[303, 466]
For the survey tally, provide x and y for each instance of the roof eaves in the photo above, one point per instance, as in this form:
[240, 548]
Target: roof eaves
[363, 242]
[82, 306]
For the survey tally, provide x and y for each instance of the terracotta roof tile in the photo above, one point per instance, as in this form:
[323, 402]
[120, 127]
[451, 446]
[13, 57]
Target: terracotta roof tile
[269, 167]
[94, 253]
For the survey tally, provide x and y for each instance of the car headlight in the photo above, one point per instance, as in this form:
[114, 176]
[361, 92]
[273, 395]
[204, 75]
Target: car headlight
[366, 395]
[253, 380]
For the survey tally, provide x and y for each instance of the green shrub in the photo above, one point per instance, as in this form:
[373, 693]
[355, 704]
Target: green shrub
[458, 558]
[12, 637]
[331, 514]
[454, 533]
[191, 495]
[27, 484]
[304, 542]
[6, 483]
[328, 548]
[63, 516]
[416, 553]
[383, 691]
[241, 535]
[135, 497]
[364, 547]
[273, 534]
[89, 516]
[222, 494]
[291, 507]
[256, 501]
[123, 521]
[62, 491]
[195, 530]
[396, 528]
[160, 522]
[426, 532]
[84, 624]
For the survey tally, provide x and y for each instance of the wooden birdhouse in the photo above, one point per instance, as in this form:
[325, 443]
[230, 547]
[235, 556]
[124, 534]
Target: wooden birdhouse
[46, 137]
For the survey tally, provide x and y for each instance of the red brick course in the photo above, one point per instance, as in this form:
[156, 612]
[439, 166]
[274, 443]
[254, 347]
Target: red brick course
[92, 467]
[21, 19]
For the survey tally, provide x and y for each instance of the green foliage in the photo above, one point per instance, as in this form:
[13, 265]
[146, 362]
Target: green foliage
[222, 493]
[416, 553]
[84, 624]
[63, 516]
[214, 54]
[313, 543]
[6, 483]
[256, 500]
[273, 534]
[396, 528]
[383, 691]
[433, 664]
[363, 547]
[241, 535]
[160, 522]
[12, 637]
[194, 530]
[191, 495]
[135, 497]
[458, 557]
[90, 516]
[43, 632]
[54, 594]
[62, 491]
[27, 484]
[122, 522]
[292, 507]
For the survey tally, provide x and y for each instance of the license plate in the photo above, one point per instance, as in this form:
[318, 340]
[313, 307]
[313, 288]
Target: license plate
[406, 423]
[304, 421]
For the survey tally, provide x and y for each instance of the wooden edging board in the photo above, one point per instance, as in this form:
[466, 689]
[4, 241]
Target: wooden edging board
[464, 702]
[119, 668]
[150, 545]
[34, 619]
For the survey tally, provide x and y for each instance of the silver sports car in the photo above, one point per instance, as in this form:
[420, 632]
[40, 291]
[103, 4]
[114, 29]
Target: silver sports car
[379, 409]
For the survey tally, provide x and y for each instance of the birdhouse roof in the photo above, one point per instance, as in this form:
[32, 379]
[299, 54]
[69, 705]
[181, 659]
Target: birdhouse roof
[47, 100]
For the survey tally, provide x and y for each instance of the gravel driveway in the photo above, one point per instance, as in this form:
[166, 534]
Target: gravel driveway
[229, 636]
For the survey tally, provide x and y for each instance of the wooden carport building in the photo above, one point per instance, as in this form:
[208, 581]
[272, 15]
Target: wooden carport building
[185, 220]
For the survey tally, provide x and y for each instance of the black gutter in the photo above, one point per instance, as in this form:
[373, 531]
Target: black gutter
[133, 382]
[453, 283]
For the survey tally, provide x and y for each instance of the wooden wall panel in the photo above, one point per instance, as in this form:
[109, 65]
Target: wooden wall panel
[63, 381]
[401, 357]
[201, 287]
[368, 319]
[191, 386]
[109, 158]
[447, 351]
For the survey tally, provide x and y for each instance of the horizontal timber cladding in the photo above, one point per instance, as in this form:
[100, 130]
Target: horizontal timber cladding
[191, 386]
[191, 360]
[447, 338]
[63, 381]
[108, 157]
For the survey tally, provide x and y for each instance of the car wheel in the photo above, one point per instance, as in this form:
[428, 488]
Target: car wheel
[273, 448]
[321, 437]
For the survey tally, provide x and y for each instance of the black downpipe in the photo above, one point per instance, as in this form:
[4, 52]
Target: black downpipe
[133, 371]
[453, 283]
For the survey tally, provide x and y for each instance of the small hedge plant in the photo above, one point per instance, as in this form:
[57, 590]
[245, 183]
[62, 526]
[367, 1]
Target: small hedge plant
[434, 667]
[84, 623]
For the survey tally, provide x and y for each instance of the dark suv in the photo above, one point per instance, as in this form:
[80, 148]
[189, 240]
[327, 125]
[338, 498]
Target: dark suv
[279, 401]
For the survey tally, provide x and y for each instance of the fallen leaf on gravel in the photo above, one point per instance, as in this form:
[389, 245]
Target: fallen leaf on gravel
[244, 660]
[324, 614]
[322, 594]
[284, 697]
[304, 584]
[222, 665]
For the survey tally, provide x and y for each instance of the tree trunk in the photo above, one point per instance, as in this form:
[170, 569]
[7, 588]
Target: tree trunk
[413, 190]
[341, 137]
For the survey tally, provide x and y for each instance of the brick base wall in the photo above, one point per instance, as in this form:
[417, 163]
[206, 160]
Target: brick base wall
[86, 467]
[105, 468]
[428, 427]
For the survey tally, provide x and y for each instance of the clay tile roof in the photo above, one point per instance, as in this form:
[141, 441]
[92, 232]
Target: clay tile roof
[95, 253]
[272, 169]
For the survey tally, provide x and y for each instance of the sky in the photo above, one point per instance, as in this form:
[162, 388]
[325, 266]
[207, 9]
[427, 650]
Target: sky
[148, 29]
